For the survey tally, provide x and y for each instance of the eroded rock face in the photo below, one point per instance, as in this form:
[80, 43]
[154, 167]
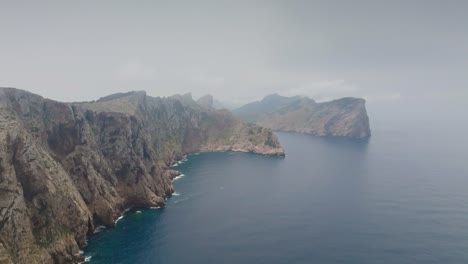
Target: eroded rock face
[343, 117]
[67, 168]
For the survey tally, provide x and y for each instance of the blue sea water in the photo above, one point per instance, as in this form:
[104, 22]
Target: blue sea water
[396, 198]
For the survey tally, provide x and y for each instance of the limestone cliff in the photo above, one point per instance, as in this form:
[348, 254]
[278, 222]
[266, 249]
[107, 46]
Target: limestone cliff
[343, 117]
[66, 168]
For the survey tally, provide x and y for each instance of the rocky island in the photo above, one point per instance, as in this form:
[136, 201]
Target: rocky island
[342, 117]
[66, 168]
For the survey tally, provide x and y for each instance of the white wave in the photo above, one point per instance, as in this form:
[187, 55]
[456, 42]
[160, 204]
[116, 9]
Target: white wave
[118, 219]
[138, 212]
[123, 214]
[176, 194]
[155, 207]
[178, 177]
[99, 229]
[175, 165]
[87, 259]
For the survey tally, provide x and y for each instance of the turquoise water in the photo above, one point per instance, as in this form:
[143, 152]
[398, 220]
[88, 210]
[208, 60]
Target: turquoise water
[392, 199]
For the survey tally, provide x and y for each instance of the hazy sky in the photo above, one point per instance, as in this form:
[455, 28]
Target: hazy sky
[237, 50]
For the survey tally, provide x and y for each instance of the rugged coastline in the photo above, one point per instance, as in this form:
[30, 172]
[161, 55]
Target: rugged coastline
[67, 168]
[344, 117]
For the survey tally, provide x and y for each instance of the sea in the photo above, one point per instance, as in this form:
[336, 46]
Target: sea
[399, 197]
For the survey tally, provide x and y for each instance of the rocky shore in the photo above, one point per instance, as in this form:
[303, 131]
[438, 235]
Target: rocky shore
[67, 168]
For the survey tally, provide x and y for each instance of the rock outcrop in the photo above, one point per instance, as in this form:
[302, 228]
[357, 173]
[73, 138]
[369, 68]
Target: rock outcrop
[206, 101]
[66, 168]
[342, 117]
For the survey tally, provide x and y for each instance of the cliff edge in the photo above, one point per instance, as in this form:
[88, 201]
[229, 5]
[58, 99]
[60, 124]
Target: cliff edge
[66, 168]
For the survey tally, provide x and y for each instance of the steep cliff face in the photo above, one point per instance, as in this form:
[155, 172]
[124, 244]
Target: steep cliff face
[343, 117]
[66, 168]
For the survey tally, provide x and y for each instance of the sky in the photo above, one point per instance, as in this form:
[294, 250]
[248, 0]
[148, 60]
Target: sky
[238, 51]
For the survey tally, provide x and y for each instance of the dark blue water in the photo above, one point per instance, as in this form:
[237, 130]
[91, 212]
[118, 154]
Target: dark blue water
[393, 199]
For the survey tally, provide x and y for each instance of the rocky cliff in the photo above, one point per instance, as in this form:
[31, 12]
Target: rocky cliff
[209, 102]
[206, 101]
[66, 168]
[343, 117]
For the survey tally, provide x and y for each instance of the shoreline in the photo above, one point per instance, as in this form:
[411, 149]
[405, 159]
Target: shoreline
[100, 228]
[176, 162]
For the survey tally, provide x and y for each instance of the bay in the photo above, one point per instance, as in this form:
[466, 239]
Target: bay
[391, 199]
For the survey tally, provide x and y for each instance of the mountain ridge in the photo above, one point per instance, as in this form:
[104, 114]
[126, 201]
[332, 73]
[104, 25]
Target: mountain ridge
[345, 117]
[66, 168]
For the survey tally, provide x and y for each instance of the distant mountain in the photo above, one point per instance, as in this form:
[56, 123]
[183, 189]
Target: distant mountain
[207, 101]
[220, 105]
[341, 117]
[255, 111]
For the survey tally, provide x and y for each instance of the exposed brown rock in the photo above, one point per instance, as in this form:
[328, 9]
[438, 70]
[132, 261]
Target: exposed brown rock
[66, 168]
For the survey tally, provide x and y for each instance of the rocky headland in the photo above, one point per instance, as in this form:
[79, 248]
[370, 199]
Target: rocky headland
[345, 117]
[66, 168]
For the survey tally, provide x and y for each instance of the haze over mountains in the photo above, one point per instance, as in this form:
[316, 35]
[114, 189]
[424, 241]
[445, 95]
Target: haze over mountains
[341, 117]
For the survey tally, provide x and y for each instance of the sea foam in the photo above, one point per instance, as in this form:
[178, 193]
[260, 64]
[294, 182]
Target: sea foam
[87, 259]
[118, 219]
[99, 229]
[178, 177]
